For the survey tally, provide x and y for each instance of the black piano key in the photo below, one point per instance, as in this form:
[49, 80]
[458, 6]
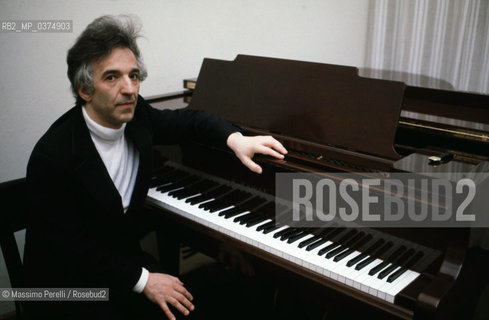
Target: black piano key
[281, 232]
[378, 267]
[336, 251]
[364, 263]
[187, 188]
[328, 248]
[364, 239]
[399, 262]
[414, 259]
[338, 243]
[330, 233]
[362, 255]
[254, 222]
[293, 235]
[298, 236]
[247, 205]
[309, 241]
[214, 193]
[231, 212]
[179, 184]
[409, 264]
[372, 258]
[396, 274]
[219, 205]
[255, 214]
[266, 225]
[244, 218]
[286, 235]
[405, 257]
[356, 259]
[198, 188]
[348, 243]
[226, 200]
[343, 255]
[206, 205]
[345, 246]
[178, 193]
[271, 228]
[160, 178]
[384, 263]
[173, 177]
[157, 181]
[387, 271]
[260, 212]
[185, 193]
[316, 237]
[198, 199]
[168, 187]
[316, 244]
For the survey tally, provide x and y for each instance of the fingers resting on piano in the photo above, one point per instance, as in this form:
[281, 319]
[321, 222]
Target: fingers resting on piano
[246, 147]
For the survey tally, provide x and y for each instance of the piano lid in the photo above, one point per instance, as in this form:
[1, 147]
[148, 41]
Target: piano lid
[324, 103]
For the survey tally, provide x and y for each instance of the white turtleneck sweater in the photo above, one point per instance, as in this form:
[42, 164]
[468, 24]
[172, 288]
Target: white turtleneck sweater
[121, 160]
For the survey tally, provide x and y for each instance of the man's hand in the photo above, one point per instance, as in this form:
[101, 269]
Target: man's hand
[246, 147]
[163, 289]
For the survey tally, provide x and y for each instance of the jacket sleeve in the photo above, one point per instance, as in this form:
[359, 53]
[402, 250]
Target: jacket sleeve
[174, 126]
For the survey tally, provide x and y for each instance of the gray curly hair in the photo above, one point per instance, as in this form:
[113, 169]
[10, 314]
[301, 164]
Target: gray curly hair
[97, 42]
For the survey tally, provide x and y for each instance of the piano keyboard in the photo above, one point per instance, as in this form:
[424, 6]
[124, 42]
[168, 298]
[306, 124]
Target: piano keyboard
[349, 256]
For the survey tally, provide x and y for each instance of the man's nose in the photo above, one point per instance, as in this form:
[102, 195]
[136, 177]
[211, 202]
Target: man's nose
[129, 86]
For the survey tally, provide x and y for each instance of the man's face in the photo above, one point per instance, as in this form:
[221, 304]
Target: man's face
[116, 84]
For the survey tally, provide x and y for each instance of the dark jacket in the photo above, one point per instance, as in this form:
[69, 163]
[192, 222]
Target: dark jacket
[77, 233]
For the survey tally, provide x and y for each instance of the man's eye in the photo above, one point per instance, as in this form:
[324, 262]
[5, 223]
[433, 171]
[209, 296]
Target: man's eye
[110, 78]
[135, 76]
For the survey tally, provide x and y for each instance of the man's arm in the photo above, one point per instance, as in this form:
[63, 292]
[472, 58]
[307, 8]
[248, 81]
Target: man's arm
[173, 126]
[246, 147]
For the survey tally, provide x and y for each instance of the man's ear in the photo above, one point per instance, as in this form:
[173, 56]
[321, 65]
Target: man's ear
[85, 94]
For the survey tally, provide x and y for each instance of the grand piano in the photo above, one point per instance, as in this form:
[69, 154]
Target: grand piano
[331, 120]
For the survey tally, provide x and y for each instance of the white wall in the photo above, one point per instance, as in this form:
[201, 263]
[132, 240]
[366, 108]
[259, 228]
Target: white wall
[34, 89]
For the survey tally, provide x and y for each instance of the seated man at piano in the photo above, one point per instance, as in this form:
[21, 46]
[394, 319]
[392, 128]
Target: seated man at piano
[89, 174]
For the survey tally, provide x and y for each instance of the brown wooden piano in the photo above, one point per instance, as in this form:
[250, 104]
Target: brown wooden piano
[331, 120]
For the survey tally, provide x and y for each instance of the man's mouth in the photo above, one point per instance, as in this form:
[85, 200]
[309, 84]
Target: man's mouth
[125, 104]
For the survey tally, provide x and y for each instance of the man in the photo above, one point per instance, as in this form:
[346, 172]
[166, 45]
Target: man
[88, 178]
